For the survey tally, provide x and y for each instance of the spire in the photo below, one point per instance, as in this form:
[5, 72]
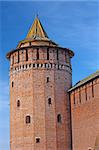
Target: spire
[36, 31]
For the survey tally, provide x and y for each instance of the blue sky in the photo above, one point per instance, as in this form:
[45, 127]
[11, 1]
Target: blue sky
[71, 24]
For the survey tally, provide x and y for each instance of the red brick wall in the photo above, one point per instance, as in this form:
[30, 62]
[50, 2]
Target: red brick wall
[85, 116]
[33, 91]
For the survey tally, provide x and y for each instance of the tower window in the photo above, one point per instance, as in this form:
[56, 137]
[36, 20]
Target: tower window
[26, 55]
[47, 53]
[37, 140]
[18, 57]
[12, 59]
[18, 103]
[49, 101]
[37, 53]
[59, 119]
[29, 43]
[47, 79]
[57, 55]
[12, 84]
[28, 119]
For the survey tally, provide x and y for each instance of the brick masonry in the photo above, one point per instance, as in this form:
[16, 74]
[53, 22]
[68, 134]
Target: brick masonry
[29, 78]
[85, 115]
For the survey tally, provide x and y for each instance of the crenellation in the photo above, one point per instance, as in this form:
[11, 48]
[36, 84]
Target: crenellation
[91, 93]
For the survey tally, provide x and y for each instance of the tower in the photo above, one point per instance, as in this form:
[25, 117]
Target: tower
[40, 76]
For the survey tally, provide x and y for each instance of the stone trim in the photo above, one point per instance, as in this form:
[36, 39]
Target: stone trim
[25, 67]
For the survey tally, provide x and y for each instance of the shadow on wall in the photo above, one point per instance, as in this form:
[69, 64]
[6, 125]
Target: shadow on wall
[97, 143]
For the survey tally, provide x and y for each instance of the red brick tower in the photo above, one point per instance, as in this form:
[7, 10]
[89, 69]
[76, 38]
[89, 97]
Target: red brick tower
[40, 75]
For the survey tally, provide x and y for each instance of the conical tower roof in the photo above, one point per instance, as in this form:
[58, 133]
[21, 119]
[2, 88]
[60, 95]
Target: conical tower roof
[37, 35]
[37, 30]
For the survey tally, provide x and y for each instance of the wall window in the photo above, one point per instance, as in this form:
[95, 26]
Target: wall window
[92, 90]
[47, 79]
[79, 95]
[47, 53]
[74, 98]
[59, 119]
[57, 55]
[86, 92]
[37, 140]
[37, 55]
[26, 55]
[18, 57]
[12, 84]
[12, 59]
[28, 119]
[37, 65]
[29, 43]
[18, 103]
[49, 101]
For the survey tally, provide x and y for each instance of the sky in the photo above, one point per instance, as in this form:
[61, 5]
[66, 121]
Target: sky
[71, 24]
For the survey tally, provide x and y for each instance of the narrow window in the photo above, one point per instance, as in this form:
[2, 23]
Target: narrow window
[26, 55]
[79, 95]
[29, 43]
[28, 119]
[47, 79]
[49, 101]
[12, 84]
[37, 65]
[37, 53]
[74, 99]
[92, 90]
[37, 140]
[47, 53]
[18, 103]
[18, 57]
[12, 59]
[59, 119]
[86, 92]
[57, 55]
